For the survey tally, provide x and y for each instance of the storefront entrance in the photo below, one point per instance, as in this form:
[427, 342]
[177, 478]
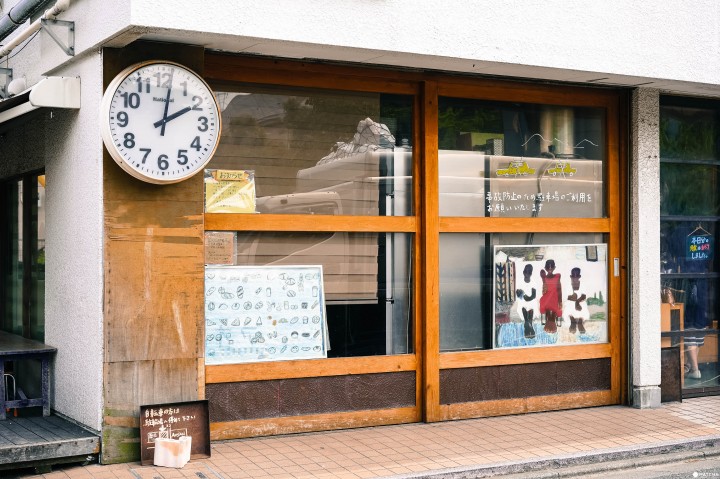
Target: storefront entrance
[386, 247]
[370, 247]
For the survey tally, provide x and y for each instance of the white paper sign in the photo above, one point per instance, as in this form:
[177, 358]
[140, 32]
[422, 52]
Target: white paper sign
[264, 313]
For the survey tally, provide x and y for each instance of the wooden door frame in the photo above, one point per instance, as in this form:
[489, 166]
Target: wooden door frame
[612, 225]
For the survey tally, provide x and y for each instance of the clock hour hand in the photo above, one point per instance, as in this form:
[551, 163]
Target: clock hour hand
[166, 119]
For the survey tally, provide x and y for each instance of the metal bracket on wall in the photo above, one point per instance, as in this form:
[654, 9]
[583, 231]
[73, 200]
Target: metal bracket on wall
[8, 73]
[69, 46]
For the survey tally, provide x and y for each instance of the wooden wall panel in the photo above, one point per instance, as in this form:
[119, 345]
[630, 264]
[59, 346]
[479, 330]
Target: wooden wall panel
[503, 407]
[148, 382]
[153, 260]
[220, 431]
[154, 263]
[129, 384]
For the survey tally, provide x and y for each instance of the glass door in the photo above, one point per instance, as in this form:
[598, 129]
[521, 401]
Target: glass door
[529, 250]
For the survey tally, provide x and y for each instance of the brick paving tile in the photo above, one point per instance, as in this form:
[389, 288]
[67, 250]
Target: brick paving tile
[388, 450]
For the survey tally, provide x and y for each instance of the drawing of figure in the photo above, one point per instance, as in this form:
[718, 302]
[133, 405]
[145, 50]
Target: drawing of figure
[576, 305]
[551, 299]
[527, 299]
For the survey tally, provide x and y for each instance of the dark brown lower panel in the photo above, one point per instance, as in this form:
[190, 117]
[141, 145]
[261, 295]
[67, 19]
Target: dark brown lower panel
[523, 380]
[305, 396]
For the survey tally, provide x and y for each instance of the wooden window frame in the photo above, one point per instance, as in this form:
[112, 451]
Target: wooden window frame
[610, 225]
[223, 69]
[426, 225]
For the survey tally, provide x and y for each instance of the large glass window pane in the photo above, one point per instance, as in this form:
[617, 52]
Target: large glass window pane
[689, 320]
[515, 290]
[465, 292]
[689, 130]
[520, 160]
[22, 257]
[690, 217]
[362, 301]
[689, 189]
[319, 151]
[11, 258]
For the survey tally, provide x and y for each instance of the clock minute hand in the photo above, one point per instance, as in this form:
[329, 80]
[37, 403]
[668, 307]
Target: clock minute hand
[171, 117]
[167, 103]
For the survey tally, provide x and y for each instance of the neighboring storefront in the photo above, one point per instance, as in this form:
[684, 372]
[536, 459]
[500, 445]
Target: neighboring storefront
[690, 211]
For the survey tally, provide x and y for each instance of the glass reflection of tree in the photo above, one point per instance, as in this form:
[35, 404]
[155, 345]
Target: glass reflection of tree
[688, 138]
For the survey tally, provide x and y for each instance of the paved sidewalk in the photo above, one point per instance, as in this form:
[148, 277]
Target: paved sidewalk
[456, 449]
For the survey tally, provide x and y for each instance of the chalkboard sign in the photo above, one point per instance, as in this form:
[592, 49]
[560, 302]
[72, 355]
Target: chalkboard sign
[698, 247]
[172, 421]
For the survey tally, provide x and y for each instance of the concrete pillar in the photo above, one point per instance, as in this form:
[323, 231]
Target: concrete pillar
[645, 260]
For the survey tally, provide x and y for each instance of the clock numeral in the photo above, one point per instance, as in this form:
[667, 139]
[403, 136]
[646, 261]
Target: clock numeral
[203, 124]
[129, 140]
[163, 163]
[131, 100]
[122, 119]
[198, 101]
[196, 143]
[147, 152]
[140, 82]
[182, 157]
[166, 76]
[184, 85]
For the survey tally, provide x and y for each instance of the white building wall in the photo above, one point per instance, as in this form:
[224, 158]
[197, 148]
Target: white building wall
[67, 144]
[74, 252]
[673, 45]
[627, 42]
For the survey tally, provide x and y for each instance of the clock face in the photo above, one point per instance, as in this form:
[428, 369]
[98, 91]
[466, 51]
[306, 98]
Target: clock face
[160, 122]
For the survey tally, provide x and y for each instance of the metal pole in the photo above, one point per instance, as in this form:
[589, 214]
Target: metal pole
[18, 15]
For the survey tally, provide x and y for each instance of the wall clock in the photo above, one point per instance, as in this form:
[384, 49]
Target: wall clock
[160, 122]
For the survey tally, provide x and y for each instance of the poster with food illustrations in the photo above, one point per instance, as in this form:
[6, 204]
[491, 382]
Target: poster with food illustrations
[264, 313]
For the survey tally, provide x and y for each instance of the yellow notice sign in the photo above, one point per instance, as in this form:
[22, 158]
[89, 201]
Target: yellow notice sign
[229, 191]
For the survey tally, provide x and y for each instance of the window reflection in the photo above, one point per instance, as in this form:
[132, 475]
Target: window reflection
[366, 286]
[319, 151]
[520, 160]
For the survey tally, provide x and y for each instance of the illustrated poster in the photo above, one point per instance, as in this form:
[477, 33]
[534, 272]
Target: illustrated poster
[550, 294]
[264, 313]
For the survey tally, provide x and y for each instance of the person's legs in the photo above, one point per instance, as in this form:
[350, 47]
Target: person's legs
[691, 358]
[528, 317]
[550, 322]
[573, 325]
